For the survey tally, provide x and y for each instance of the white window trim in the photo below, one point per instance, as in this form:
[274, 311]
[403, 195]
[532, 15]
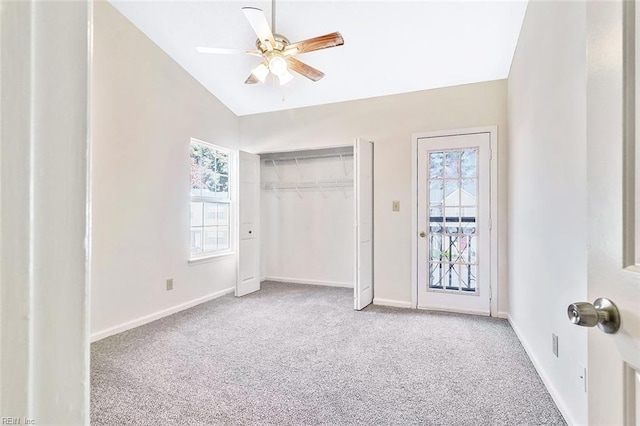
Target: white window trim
[195, 259]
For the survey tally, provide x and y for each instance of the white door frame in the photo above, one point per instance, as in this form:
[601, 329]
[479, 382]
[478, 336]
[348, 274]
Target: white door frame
[493, 215]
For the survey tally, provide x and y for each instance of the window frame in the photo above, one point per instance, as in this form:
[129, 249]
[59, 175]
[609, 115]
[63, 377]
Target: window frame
[230, 201]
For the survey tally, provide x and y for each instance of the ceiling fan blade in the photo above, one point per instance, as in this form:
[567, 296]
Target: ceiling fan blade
[316, 43]
[252, 79]
[260, 25]
[304, 69]
[225, 51]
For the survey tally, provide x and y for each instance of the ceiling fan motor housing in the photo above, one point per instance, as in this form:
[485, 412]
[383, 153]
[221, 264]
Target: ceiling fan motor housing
[281, 43]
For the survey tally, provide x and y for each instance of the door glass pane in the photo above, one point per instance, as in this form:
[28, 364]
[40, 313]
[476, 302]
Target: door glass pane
[453, 214]
[435, 220]
[469, 192]
[436, 192]
[436, 171]
[452, 192]
[436, 247]
[452, 164]
[468, 163]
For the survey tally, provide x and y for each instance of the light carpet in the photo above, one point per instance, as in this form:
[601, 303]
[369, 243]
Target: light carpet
[300, 355]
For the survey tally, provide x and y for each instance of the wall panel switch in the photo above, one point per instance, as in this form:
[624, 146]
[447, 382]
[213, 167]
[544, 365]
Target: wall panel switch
[395, 206]
[169, 284]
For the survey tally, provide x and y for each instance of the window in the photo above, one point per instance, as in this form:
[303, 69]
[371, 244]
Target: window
[210, 231]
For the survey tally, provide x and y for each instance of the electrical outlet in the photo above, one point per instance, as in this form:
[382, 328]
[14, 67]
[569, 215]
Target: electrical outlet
[395, 206]
[554, 344]
[169, 284]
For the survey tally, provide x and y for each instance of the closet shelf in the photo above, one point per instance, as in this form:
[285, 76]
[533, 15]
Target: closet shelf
[271, 157]
[317, 184]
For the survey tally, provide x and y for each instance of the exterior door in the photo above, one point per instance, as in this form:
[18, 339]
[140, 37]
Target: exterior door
[454, 223]
[612, 169]
[248, 273]
[363, 158]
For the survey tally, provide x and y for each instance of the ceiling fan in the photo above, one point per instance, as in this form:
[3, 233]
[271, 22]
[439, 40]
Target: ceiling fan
[276, 52]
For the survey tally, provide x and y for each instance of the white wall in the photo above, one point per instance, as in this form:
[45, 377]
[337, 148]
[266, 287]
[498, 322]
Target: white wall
[389, 121]
[44, 342]
[145, 109]
[548, 194]
[309, 238]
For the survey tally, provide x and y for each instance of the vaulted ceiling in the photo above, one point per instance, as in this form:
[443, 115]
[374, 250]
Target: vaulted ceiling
[391, 46]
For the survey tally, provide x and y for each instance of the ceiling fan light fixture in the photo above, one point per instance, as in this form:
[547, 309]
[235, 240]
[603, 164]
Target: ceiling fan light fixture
[285, 77]
[261, 72]
[278, 65]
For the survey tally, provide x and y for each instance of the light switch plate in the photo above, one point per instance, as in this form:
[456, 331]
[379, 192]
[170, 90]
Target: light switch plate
[395, 206]
[169, 284]
[554, 344]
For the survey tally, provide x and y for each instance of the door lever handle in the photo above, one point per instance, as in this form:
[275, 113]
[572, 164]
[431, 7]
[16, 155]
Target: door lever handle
[603, 313]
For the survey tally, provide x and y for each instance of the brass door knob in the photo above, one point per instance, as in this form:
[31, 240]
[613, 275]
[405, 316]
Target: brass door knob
[423, 234]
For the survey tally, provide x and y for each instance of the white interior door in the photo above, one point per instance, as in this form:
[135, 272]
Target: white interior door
[363, 176]
[614, 249]
[454, 223]
[248, 274]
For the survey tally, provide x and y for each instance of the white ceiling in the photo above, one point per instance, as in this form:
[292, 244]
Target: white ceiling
[390, 46]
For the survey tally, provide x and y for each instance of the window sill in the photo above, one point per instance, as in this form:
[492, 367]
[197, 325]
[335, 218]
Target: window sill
[211, 258]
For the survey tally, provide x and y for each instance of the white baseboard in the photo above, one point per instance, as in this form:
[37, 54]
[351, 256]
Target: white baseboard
[503, 315]
[157, 315]
[391, 302]
[543, 375]
[310, 282]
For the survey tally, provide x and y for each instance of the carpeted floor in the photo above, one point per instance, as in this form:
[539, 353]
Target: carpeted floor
[300, 355]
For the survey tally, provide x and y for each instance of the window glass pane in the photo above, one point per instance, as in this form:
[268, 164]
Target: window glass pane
[196, 240]
[210, 214]
[209, 219]
[222, 187]
[196, 214]
[223, 214]
[202, 169]
[222, 163]
[210, 241]
[223, 237]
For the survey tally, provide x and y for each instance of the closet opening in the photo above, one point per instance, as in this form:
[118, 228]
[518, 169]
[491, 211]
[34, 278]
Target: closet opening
[316, 216]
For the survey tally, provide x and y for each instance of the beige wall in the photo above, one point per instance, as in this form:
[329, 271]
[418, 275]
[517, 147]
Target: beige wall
[548, 195]
[390, 122]
[145, 109]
